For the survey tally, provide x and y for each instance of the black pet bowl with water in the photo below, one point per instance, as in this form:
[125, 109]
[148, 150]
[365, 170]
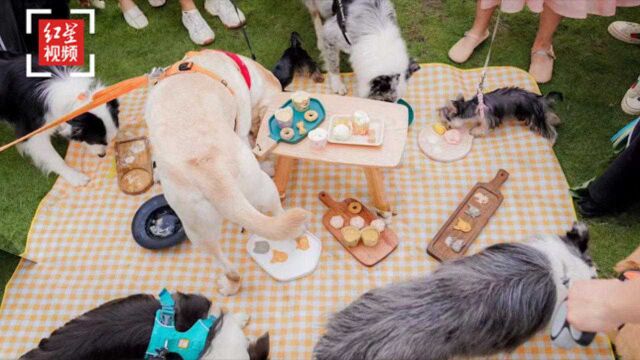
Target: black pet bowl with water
[156, 226]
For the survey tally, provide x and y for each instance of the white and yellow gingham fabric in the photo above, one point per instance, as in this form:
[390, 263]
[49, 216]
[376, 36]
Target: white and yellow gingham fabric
[85, 254]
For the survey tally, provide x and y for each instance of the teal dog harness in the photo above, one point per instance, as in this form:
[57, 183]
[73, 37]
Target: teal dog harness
[166, 339]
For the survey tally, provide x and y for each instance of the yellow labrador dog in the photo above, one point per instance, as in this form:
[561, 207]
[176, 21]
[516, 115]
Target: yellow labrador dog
[199, 130]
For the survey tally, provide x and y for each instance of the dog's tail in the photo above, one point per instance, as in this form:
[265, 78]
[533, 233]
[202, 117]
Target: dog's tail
[545, 119]
[227, 197]
[296, 60]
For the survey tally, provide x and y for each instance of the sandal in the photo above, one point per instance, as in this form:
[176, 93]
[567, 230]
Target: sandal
[542, 65]
[463, 49]
[626, 31]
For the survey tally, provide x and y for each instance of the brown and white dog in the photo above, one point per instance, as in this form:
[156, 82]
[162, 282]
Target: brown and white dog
[199, 131]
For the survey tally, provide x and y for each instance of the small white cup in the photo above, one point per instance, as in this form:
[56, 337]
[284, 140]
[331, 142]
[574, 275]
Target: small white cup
[318, 138]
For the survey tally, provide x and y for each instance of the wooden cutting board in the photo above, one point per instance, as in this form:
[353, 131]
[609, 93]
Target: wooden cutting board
[367, 255]
[465, 224]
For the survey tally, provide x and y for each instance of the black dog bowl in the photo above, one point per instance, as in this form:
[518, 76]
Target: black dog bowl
[156, 226]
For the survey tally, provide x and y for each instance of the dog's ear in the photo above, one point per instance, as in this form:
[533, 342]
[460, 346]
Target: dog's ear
[447, 111]
[460, 97]
[413, 67]
[189, 309]
[259, 349]
[578, 236]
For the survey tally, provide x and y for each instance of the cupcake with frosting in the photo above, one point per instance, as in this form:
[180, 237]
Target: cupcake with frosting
[301, 100]
[360, 123]
[284, 117]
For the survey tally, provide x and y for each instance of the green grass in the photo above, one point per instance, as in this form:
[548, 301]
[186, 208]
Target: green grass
[593, 71]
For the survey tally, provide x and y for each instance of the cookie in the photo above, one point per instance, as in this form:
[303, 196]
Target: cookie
[354, 207]
[357, 222]
[370, 236]
[336, 222]
[287, 133]
[462, 225]
[279, 256]
[350, 235]
[302, 243]
[379, 225]
[301, 129]
[311, 115]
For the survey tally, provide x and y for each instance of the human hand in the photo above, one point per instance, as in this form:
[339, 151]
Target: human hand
[594, 305]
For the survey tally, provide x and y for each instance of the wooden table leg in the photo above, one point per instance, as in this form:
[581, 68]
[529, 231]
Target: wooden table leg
[284, 167]
[375, 181]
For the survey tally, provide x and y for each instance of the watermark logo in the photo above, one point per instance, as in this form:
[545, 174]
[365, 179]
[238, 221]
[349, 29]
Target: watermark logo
[61, 42]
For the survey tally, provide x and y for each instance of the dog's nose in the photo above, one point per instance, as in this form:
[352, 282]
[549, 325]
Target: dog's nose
[102, 155]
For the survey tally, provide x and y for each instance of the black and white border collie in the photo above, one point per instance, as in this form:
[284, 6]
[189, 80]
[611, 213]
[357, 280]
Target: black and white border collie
[29, 103]
[121, 329]
[377, 51]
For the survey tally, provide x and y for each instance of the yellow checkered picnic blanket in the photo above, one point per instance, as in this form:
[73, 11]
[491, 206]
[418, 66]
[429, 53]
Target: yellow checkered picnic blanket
[85, 254]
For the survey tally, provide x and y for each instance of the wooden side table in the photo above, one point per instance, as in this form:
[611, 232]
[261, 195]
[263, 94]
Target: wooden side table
[371, 159]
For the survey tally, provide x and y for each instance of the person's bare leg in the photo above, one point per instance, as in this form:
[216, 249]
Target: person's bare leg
[482, 20]
[549, 21]
[187, 5]
[463, 49]
[542, 55]
[126, 4]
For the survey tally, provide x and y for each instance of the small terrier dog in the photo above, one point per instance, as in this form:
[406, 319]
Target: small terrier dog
[503, 104]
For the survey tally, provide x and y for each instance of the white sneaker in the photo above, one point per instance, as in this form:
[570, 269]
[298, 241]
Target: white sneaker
[231, 17]
[631, 101]
[626, 31]
[135, 18]
[98, 4]
[157, 3]
[199, 31]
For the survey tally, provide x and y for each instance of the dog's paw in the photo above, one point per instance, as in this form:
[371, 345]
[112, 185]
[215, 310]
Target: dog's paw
[227, 287]
[478, 131]
[269, 167]
[337, 86]
[76, 178]
[242, 319]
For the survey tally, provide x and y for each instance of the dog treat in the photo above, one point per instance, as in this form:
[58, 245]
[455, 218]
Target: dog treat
[337, 222]
[284, 117]
[302, 243]
[462, 225]
[311, 115]
[301, 100]
[370, 236]
[455, 244]
[360, 123]
[379, 225]
[355, 207]
[261, 247]
[136, 178]
[287, 133]
[301, 129]
[439, 129]
[481, 198]
[343, 120]
[318, 138]
[452, 137]
[357, 221]
[341, 132]
[473, 211]
[279, 256]
[351, 235]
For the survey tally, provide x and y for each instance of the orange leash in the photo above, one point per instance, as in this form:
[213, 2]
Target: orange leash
[116, 90]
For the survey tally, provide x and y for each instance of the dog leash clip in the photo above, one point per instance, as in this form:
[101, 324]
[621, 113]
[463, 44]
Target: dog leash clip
[154, 75]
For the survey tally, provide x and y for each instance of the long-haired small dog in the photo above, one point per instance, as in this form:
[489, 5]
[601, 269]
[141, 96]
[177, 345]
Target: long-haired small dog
[479, 305]
[121, 329]
[296, 61]
[377, 51]
[28, 103]
[504, 104]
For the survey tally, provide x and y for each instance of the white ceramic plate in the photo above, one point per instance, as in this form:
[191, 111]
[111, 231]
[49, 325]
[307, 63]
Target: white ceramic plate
[299, 263]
